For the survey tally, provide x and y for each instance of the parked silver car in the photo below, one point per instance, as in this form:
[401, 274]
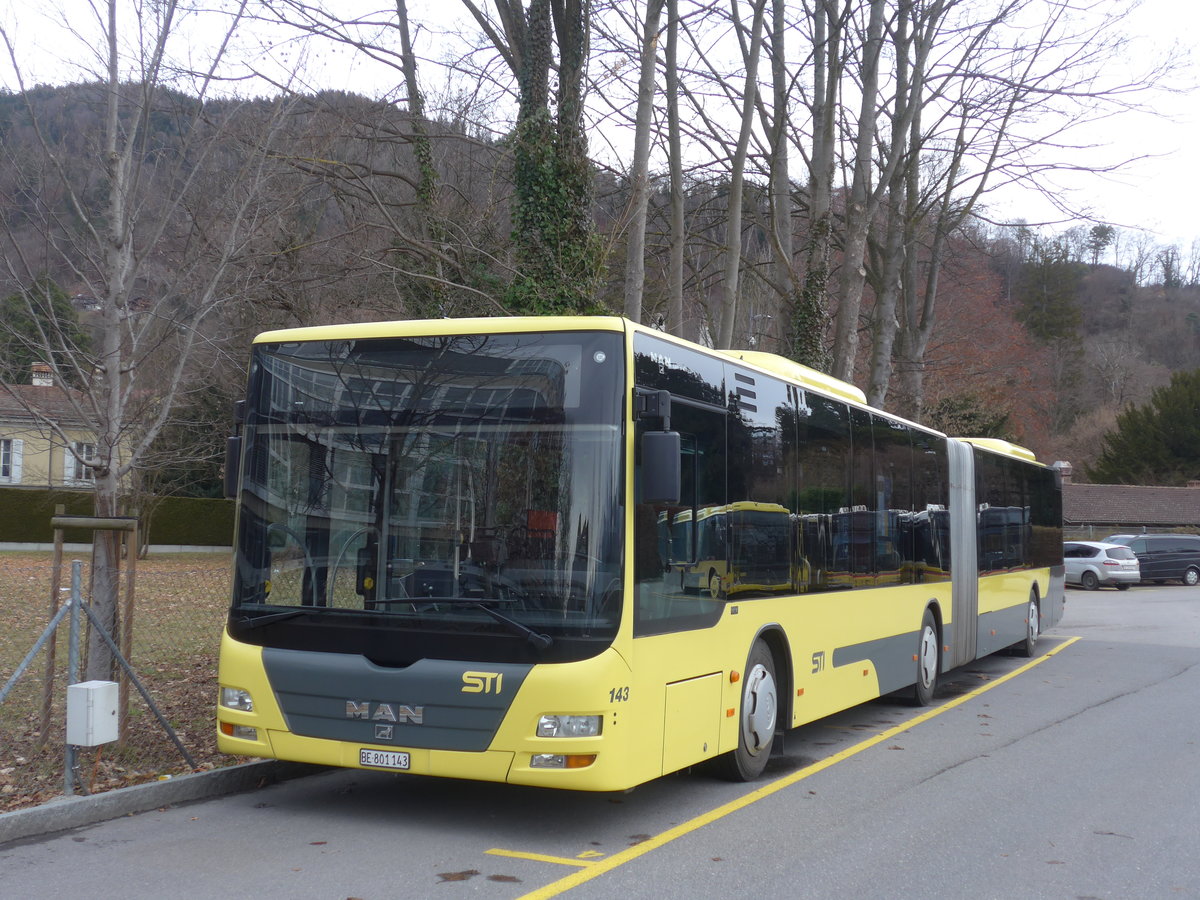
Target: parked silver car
[1093, 564]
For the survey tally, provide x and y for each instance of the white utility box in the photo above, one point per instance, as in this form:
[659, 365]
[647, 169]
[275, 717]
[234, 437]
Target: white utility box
[92, 713]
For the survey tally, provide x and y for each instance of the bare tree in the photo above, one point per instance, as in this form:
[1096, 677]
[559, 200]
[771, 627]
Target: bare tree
[752, 46]
[125, 238]
[557, 255]
[993, 97]
[635, 263]
[810, 314]
[678, 226]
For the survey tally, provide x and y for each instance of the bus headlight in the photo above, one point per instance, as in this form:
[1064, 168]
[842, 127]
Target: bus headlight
[236, 698]
[569, 726]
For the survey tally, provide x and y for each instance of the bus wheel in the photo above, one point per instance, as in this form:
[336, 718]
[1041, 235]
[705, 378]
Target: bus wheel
[756, 724]
[1027, 646]
[928, 657]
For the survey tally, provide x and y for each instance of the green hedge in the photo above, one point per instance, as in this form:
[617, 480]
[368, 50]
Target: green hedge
[25, 515]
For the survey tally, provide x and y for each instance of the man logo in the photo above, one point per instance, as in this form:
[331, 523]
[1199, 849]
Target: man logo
[384, 732]
[385, 712]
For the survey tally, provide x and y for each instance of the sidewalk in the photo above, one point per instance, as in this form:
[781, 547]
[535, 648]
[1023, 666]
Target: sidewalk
[74, 812]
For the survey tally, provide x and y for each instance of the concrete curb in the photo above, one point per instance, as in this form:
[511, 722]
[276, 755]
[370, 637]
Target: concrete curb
[73, 812]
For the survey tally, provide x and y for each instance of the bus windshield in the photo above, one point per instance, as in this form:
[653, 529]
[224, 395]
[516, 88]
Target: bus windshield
[453, 497]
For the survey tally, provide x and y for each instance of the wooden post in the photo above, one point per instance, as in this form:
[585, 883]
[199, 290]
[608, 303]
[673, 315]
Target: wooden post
[131, 552]
[124, 619]
[48, 680]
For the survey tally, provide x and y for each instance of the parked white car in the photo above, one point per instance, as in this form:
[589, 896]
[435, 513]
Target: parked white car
[1092, 564]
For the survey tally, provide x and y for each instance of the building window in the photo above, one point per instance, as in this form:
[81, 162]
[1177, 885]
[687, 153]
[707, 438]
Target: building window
[78, 472]
[10, 460]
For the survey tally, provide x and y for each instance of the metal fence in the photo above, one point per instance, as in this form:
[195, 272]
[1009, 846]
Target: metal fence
[181, 602]
[1099, 532]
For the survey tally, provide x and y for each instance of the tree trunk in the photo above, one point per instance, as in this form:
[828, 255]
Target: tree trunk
[810, 314]
[783, 267]
[733, 237]
[887, 290]
[635, 253]
[675, 153]
[860, 206]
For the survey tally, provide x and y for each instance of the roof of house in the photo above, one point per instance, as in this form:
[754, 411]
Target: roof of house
[1131, 505]
[52, 402]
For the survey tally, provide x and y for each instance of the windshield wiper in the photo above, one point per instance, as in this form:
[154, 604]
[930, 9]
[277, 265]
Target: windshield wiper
[257, 621]
[539, 640]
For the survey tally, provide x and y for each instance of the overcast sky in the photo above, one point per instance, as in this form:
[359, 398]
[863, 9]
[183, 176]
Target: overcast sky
[1160, 194]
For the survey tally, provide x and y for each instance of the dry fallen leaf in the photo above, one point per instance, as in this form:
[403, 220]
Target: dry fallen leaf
[458, 876]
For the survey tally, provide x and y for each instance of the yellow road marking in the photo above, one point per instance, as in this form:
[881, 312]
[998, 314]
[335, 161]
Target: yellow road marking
[594, 870]
[541, 857]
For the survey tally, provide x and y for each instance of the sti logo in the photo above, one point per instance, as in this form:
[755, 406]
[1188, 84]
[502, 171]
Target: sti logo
[482, 682]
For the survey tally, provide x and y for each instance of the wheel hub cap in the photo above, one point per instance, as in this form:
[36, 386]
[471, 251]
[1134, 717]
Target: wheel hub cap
[929, 655]
[758, 709]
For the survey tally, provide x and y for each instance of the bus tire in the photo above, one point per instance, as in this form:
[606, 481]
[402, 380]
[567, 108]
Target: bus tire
[756, 719]
[1028, 646]
[928, 659]
[715, 588]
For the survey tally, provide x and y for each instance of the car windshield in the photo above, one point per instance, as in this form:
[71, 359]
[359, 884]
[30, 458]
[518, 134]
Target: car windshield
[453, 487]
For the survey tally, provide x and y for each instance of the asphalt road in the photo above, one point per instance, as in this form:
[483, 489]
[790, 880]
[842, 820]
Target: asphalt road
[1074, 775]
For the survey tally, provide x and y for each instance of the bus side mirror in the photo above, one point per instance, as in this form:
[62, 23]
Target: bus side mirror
[660, 467]
[233, 458]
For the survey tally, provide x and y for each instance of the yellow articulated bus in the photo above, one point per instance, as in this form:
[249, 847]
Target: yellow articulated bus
[464, 548]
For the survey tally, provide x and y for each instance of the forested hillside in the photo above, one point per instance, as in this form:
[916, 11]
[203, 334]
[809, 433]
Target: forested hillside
[810, 182]
[1041, 337]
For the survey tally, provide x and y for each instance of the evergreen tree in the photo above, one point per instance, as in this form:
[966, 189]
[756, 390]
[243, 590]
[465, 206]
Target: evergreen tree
[1047, 292]
[38, 325]
[968, 415]
[1157, 443]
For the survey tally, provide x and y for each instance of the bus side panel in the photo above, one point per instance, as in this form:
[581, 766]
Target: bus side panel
[1003, 606]
[683, 689]
[689, 738]
[1054, 597]
[840, 663]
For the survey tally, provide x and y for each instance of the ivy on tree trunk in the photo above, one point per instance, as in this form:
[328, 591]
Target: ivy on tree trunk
[557, 252]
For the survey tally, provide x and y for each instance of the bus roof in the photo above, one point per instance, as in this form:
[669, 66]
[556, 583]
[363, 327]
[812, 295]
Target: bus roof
[772, 363]
[790, 369]
[1005, 448]
[442, 327]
